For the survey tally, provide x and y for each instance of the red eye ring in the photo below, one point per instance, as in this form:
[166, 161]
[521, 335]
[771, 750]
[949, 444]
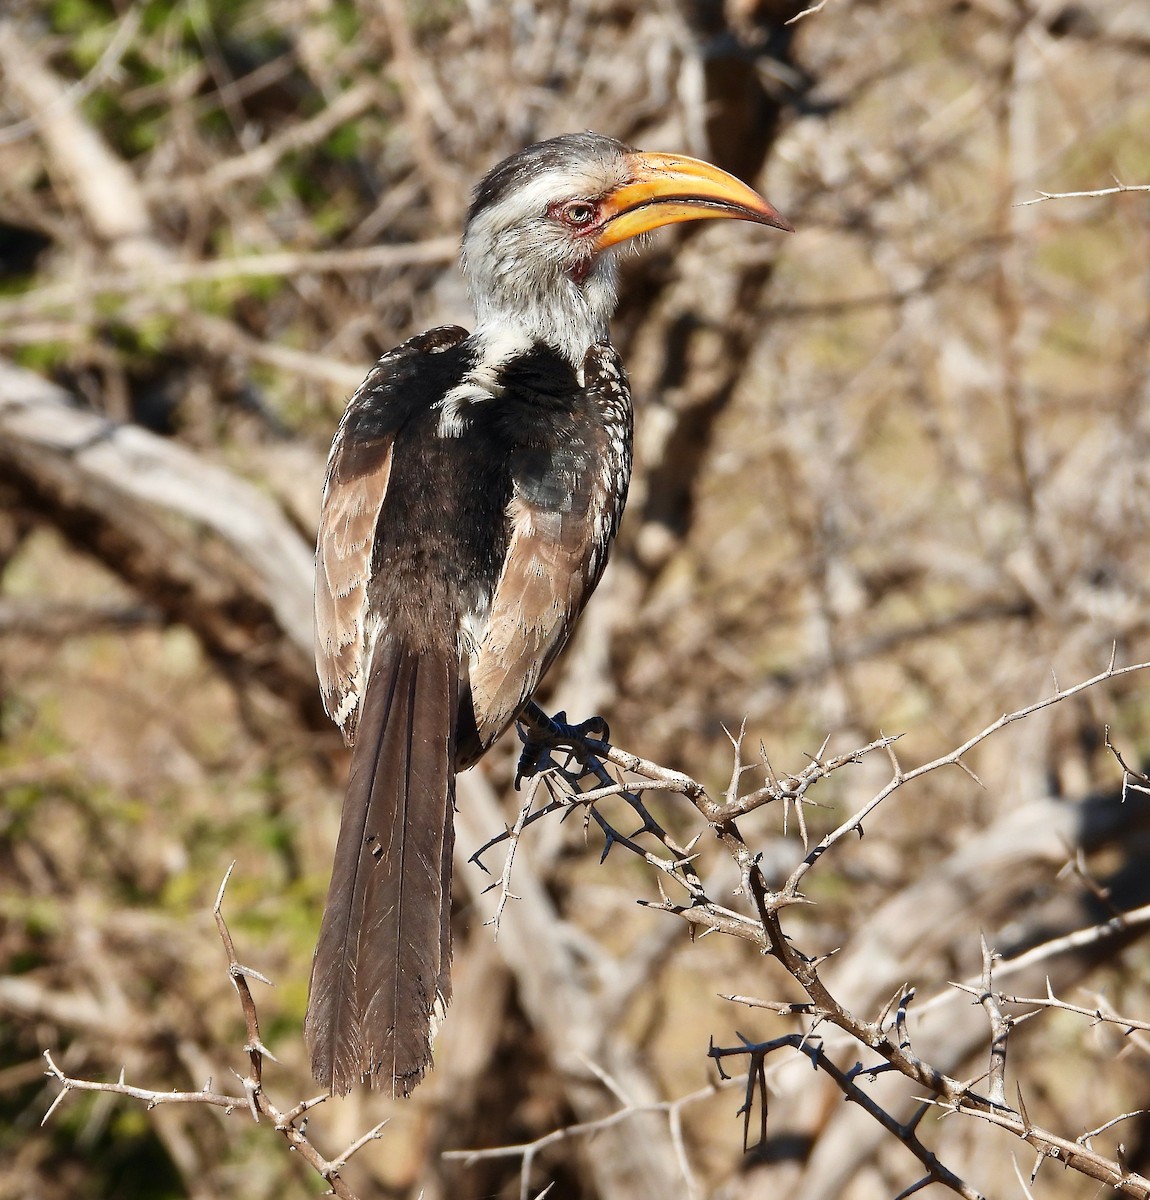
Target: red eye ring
[578, 214]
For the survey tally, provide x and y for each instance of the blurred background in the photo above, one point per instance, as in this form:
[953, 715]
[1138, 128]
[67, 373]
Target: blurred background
[892, 478]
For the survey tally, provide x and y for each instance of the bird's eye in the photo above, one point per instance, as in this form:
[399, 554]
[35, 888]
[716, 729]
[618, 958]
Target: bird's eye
[578, 214]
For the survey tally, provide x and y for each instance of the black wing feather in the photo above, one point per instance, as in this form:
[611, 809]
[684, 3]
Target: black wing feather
[563, 518]
[380, 965]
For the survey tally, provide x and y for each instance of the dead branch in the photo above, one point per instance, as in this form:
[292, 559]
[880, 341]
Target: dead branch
[66, 296]
[591, 751]
[1097, 1014]
[906, 1132]
[259, 162]
[104, 66]
[954, 758]
[528, 1152]
[112, 488]
[1127, 922]
[999, 1029]
[57, 621]
[288, 1122]
[549, 967]
[1117, 190]
[105, 188]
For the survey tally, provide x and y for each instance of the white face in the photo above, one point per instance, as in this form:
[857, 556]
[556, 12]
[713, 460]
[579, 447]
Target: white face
[538, 225]
[530, 259]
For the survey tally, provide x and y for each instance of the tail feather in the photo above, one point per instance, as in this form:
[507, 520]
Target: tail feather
[380, 975]
[444, 985]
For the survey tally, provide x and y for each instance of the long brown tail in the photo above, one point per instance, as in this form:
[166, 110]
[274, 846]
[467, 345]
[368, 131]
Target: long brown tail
[381, 974]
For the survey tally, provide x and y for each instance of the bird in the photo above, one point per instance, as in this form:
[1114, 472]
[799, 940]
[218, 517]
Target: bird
[473, 491]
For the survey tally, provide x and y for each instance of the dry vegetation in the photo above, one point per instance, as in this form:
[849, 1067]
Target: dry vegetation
[893, 480]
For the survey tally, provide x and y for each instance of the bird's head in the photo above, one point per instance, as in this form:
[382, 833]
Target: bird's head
[539, 248]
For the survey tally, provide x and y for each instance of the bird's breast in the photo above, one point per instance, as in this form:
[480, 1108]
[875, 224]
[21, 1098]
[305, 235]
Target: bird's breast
[467, 467]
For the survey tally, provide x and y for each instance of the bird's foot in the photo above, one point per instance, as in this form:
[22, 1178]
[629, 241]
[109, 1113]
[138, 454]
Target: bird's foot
[594, 734]
[542, 735]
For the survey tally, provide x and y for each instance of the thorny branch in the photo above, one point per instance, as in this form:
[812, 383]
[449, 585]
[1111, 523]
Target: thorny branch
[1099, 1014]
[528, 1152]
[1123, 923]
[291, 1123]
[906, 1132]
[954, 758]
[588, 755]
[543, 735]
[999, 1029]
[1110, 191]
[1132, 780]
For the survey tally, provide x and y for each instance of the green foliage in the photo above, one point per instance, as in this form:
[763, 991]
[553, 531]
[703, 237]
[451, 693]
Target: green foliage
[80, 17]
[345, 18]
[130, 1160]
[344, 144]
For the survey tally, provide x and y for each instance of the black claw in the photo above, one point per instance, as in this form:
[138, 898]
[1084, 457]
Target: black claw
[595, 728]
[536, 755]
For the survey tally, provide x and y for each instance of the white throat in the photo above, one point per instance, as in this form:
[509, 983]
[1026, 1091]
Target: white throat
[571, 317]
[522, 286]
[570, 320]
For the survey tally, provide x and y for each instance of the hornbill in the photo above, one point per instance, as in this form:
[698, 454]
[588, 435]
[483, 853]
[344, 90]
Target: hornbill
[473, 490]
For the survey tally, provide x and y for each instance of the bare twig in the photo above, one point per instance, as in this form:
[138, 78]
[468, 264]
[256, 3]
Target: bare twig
[289, 1123]
[1123, 923]
[900, 778]
[1118, 189]
[999, 1028]
[529, 1151]
[1022, 1181]
[1132, 780]
[205, 1095]
[808, 12]
[1096, 1014]
[66, 295]
[906, 1132]
[104, 67]
[513, 836]
[260, 162]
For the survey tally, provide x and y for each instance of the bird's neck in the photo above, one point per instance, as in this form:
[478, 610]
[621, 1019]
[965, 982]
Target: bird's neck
[568, 316]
